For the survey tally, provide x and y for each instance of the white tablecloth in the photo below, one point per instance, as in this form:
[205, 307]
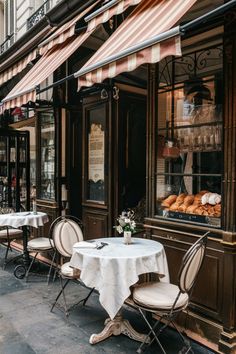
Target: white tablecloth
[23, 219]
[114, 268]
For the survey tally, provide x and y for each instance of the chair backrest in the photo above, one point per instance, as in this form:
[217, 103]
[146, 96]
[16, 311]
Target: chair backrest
[191, 264]
[65, 232]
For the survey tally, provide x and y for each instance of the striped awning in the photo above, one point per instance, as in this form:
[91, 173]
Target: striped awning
[146, 36]
[63, 32]
[17, 67]
[25, 90]
[112, 8]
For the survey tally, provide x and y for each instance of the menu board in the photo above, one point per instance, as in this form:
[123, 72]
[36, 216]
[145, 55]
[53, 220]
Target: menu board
[96, 153]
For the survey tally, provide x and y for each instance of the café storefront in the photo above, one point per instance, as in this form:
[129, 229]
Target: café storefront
[190, 162]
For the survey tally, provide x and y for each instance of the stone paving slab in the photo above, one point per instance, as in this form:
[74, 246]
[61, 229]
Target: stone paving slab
[28, 327]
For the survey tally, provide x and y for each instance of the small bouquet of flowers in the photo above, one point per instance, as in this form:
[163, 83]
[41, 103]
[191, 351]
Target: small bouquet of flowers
[126, 222]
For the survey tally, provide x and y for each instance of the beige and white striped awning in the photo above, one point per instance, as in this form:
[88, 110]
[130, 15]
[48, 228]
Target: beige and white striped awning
[146, 36]
[17, 67]
[25, 90]
[112, 8]
[63, 32]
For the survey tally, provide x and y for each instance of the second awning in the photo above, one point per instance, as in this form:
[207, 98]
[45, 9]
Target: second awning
[112, 8]
[25, 90]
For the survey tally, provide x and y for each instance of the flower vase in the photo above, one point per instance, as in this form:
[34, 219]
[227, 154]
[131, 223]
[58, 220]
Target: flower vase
[127, 237]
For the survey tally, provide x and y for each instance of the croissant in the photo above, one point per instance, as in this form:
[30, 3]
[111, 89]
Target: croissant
[217, 207]
[180, 198]
[191, 209]
[187, 202]
[175, 206]
[211, 211]
[199, 211]
[217, 214]
[182, 208]
[169, 200]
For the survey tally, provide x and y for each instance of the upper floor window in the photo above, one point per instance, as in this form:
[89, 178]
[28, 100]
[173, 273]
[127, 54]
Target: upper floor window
[9, 14]
[1, 21]
[7, 24]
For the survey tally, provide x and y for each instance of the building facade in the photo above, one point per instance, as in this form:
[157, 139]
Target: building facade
[112, 130]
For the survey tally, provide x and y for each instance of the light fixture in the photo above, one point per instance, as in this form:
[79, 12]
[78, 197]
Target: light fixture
[198, 90]
[104, 94]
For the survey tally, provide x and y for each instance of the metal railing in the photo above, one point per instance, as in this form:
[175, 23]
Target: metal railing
[38, 14]
[10, 39]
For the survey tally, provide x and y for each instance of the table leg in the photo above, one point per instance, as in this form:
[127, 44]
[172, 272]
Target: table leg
[116, 327]
[26, 258]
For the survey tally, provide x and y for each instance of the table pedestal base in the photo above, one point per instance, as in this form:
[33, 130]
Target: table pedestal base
[116, 327]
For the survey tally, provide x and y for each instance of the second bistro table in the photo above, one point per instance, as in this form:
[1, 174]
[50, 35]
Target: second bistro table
[112, 270]
[24, 219]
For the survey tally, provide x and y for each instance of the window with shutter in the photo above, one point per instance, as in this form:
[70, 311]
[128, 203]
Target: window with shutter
[9, 20]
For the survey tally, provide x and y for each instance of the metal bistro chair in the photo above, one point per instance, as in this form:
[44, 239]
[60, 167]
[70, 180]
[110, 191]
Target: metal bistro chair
[40, 245]
[7, 235]
[167, 300]
[65, 231]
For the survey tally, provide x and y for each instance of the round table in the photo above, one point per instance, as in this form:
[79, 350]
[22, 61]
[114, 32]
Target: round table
[113, 269]
[24, 219]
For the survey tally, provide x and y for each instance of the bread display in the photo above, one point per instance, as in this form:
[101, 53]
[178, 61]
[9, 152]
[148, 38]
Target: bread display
[203, 203]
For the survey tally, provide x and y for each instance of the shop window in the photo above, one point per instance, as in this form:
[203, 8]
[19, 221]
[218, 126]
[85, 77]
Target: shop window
[189, 138]
[46, 143]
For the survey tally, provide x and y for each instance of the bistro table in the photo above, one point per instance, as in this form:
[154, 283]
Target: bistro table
[24, 219]
[112, 270]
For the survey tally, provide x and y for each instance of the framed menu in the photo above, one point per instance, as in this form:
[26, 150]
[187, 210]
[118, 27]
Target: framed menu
[96, 154]
[96, 143]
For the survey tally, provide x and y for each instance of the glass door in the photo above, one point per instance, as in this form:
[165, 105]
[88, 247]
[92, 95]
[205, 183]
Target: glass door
[46, 185]
[14, 170]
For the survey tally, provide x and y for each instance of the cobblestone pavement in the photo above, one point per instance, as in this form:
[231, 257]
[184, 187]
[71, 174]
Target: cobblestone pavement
[28, 327]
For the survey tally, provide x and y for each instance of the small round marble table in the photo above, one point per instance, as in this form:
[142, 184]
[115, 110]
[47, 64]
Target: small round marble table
[112, 270]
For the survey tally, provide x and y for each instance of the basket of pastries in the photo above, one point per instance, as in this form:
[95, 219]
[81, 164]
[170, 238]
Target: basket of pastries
[203, 203]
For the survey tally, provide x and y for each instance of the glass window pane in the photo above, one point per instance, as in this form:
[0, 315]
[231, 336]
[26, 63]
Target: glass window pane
[189, 138]
[96, 154]
[47, 123]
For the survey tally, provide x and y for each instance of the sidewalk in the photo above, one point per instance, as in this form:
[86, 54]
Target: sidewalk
[28, 327]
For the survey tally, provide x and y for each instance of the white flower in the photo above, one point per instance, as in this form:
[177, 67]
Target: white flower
[122, 222]
[119, 229]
